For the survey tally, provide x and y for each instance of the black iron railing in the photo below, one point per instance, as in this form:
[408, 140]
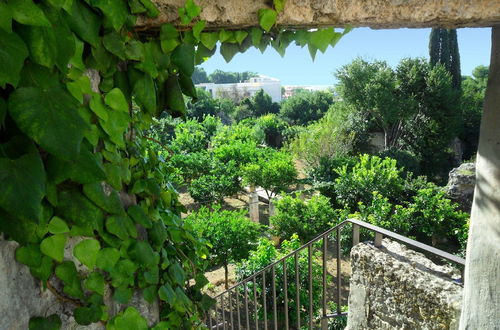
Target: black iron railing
[248, 305]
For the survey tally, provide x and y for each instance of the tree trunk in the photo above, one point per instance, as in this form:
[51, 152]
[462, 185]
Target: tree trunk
[226, 276]
[481, 301]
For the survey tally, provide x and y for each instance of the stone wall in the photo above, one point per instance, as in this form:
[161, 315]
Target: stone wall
[393, 287]
[314, 13]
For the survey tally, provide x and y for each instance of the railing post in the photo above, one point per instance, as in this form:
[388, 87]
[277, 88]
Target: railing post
[378, 239]
[355, 234]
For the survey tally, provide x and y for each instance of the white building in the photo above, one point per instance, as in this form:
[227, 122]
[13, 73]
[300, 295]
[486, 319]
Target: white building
[238, 91]
[290, 90]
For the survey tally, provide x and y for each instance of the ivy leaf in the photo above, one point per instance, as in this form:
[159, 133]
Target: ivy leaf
[142, 253]
[256, 35]
[121, 226]
[226, 36]
[209, 39]
[42, 44]
[65, 4]
[183, 58]
[158, 234]
[28, 13]
[95, 282]
[228, 51]
[122, 294]
[87, 315]
[312, 50]
[86, 252]
[74, 207]
[174, 98]
[116, 100]
[43, 271]
[167, 294]
[114, 43]
[13, 52]
[240, 36]
[187, 86]
[322, 38]
[30, 255]
[145, 93]
[267, 18]
[68, 274]
[84, 22]
[128, 319]
[168, 31]
[109, 202]
[53, 322]
[5, 17]
[58, 226]
[79, 88]
[23, 186]
[53, 246]
[279, 5]
[177, 273]
[123, 273]
[107, 258]
[139, 216]
[188, 12]
[65, 39]
[49, 117]
[115, 126]
[151, 9]
[198, 27]
[149, 293]
[116, 11]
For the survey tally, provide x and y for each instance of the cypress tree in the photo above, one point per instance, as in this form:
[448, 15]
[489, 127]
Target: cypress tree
[443, 49]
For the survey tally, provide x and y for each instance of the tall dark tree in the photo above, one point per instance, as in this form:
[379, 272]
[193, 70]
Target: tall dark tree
[443, 49]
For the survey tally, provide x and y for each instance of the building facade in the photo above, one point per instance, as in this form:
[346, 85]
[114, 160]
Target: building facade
[238, 91]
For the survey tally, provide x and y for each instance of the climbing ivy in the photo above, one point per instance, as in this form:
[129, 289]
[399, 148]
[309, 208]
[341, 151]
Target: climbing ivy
[90, 206]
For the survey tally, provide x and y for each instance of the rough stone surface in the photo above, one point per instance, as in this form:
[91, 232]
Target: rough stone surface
[461, 184]
[314, 13]
[23, 297]
[397, 288]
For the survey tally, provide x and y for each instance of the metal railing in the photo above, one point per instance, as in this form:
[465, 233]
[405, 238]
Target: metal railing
[247, 305]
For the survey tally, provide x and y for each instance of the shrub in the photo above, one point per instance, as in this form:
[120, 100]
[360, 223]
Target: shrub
[356, 184]
[437, 216]
[191, 165]
[323, 175]
[230, 233]
[274, 171]
[265, 254]
[307, 219]
[222, 181]
[241, 152]
[304, 107]
[273, 128]
[238, 132]
[190, 136]
[406, 160]
[380, 212]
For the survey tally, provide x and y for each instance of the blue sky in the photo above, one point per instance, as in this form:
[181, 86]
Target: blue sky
[297, 67]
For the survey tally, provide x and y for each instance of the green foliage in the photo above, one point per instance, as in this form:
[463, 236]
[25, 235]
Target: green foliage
[264, 255]
[304, 107]
[473, 90]
[274, 129]
[221, 181]
[356, 184]
[307, 219]
[230, 234]
[224, 77]
[273, 170]
[443, 49]
[337, 134]
[408, 105]
[69, 149]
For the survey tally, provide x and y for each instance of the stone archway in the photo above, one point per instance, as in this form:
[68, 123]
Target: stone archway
[481, 307]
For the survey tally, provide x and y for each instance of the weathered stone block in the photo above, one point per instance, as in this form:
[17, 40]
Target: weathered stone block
[394, 287]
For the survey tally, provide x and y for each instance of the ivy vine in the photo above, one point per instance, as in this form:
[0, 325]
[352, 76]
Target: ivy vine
[88, 203]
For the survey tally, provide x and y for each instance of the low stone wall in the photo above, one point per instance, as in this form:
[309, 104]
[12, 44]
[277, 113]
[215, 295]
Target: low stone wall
[393, 287]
